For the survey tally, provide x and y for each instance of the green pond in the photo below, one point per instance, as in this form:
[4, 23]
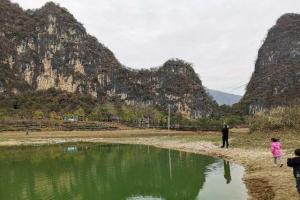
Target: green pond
[115, 172]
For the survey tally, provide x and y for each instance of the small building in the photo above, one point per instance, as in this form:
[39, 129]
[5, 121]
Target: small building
[71, 118]
[115, 118]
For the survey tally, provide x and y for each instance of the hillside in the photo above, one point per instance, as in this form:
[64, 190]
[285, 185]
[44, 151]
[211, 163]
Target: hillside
[48, 48]
[223, 97]
[276, 78]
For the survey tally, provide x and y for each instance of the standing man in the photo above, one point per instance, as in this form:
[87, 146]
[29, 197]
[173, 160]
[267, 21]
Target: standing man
[225, 135]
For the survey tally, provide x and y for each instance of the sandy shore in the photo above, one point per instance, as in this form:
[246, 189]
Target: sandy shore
[263, 179]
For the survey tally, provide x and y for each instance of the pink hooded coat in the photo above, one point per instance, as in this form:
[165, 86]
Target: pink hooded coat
[276, 149]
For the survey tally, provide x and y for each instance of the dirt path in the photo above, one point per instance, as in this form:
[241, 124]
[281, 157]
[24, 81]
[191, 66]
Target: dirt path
[264, 181]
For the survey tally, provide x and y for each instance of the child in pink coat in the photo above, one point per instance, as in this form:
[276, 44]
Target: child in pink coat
[276, 151]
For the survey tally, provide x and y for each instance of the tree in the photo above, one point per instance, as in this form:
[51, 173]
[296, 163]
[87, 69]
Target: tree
[80, 113]
[54, 116]
[97, 114]
[108, 110]
[38, 115]
[127, 113]
[103, 112]
[158, 117]
[3, 114]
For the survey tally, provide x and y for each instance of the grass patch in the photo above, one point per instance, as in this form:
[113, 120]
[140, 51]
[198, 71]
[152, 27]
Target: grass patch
[242, 138]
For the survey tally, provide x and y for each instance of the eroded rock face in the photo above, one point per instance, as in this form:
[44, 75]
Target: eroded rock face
[47, 48]
[276, 79]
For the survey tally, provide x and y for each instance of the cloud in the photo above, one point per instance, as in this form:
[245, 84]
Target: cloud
[220, 37]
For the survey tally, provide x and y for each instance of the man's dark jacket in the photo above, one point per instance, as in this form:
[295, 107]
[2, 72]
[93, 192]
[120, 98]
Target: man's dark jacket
[225, 132]
[295, 164]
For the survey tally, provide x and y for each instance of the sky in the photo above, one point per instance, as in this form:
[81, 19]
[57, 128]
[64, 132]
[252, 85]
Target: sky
[220, 38]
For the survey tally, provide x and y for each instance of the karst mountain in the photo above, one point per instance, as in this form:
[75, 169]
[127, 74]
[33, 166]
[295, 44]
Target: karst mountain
[47, 48]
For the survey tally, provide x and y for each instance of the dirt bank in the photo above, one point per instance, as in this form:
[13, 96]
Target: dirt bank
[264, 181]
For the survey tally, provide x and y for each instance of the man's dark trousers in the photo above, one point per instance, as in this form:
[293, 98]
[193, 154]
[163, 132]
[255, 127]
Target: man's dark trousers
[225, 141]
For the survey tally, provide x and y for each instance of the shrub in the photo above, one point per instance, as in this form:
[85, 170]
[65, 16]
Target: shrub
[276, 119]
[127, 113]
[53, 116]
[210, 124]
[3, 114]
[80, 112]
[233, 120]
[38, 115]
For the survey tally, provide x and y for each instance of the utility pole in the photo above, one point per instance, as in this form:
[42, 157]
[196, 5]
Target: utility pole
[169, 113]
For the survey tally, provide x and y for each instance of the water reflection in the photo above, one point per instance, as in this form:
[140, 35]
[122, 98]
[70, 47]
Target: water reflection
[227, 174]
[216, 188]
[170, 164]
[144, 198]
[109, 172]
[71, 149]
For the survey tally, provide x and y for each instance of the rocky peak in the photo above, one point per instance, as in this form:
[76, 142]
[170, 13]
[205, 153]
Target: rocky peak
[52, 14]
[276, 78]
[177, 66]
[50, 6]
[56, 11]
[288, 18]
[12, 17]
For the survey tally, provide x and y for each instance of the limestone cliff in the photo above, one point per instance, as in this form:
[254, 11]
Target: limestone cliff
[276, 79]
[47, 48]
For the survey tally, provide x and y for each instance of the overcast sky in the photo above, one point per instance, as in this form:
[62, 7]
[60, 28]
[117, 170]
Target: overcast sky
[220, 37]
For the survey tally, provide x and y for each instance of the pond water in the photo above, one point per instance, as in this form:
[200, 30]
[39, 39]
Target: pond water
[115, 172]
